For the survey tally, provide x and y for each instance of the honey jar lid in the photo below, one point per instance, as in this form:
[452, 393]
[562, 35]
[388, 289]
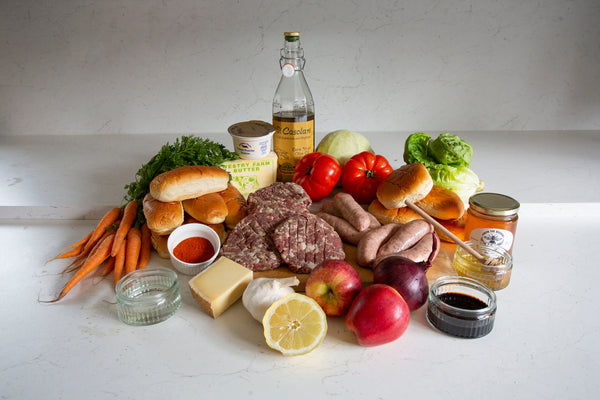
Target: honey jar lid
[494, 204]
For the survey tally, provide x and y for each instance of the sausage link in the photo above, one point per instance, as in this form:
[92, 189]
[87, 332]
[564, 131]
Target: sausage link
[347, 232]
[368, 245]
[352, 211]
[422, 250]
[406, 237]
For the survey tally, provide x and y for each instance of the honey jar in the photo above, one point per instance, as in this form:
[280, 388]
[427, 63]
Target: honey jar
[492, 220]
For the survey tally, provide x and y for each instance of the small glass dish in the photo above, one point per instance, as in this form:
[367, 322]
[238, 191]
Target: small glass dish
[148, 296]
[461, 307]
[189, 231]
[496, 277]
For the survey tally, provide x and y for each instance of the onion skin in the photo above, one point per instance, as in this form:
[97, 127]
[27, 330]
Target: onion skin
[406, 276]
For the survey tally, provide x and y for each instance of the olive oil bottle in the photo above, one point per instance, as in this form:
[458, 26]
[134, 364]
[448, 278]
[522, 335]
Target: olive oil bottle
[293, 110]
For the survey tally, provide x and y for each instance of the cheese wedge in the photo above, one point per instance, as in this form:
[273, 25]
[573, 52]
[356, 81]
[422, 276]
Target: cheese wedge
[250, 175]
[220, 285]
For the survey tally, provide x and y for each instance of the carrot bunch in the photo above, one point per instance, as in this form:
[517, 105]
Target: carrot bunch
[114, 242]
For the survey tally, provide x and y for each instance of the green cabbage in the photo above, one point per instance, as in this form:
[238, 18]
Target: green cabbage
[447, 149]
[415, 149]
[461, 180]
[343, 144]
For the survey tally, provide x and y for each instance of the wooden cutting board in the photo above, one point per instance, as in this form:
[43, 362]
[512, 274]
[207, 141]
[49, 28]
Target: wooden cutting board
[441, 266]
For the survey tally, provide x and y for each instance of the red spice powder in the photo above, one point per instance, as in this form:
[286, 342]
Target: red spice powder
[194, 250]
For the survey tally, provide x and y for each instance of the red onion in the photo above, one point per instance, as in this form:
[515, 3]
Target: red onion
[406, 276]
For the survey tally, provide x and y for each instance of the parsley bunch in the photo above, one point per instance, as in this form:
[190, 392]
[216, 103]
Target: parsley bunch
[189, 150]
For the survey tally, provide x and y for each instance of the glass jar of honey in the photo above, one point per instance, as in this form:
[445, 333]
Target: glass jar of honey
[492, 220]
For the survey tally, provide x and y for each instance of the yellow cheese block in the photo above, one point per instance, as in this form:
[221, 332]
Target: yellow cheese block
[220, 285]
[250, 175]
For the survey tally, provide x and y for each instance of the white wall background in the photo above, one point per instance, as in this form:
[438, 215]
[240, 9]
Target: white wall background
[185, 66]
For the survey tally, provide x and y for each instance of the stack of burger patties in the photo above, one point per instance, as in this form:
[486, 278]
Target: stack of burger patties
[191, 194]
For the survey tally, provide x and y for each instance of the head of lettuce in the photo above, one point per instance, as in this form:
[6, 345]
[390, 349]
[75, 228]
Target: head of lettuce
[447, 159]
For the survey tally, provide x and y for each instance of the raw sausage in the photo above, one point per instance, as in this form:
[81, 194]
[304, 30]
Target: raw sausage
[422, 250]
[330, 207]
[352, 211]
[368, 245]
[406, 237]
[347, 232]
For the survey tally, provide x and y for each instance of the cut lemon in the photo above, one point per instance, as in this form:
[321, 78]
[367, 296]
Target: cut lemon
[294, 324]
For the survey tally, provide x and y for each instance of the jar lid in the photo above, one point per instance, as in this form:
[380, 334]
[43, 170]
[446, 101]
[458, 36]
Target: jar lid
[252, 128]
[494, 204]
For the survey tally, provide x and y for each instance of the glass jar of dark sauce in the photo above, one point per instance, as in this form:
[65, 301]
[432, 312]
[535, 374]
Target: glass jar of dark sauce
[461, 307]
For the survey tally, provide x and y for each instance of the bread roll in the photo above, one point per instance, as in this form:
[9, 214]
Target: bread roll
[188, 182]
[162, 217]
[159, 243]
[456, 226]
[410, 182]
[237, 207]
[384, 215]
[442, 203]
[207, 209]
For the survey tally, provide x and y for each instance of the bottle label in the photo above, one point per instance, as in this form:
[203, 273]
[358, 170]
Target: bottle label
[493, 237]
[288, 70]
[291, 142]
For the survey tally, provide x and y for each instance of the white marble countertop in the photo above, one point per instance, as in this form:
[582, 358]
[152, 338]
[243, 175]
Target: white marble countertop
[544, 343]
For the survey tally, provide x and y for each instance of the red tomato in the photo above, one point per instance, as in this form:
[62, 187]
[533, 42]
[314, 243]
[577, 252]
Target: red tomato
[362, 174]
[318, 174]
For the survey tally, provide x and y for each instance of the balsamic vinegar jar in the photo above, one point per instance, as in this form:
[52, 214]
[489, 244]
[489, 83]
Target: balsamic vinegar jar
[461, 307]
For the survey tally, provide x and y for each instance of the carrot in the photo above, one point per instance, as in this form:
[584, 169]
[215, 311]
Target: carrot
[99, 254]
[111, 216]
[110, 265]
[129, 216]
[132, 251]
[72, 250]
[84, 254]
[146, 247]
[119, 262]
[69, 253]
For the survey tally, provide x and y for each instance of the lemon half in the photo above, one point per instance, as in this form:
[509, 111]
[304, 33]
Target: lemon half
[294, 325]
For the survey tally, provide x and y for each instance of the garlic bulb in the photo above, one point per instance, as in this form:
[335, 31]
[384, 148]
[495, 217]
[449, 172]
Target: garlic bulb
[262, 292]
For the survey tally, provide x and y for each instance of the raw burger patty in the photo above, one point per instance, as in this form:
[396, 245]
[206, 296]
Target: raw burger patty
[248, 244]
[287, 195]
[305, 240]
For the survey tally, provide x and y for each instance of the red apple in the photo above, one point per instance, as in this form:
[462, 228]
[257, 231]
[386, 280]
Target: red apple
[378, 315]
[333, 284]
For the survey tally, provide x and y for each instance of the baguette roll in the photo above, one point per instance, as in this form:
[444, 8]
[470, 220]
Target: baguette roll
[159, 243]
[237, 207]
[162, 217]
[188, 182]
[207, 209]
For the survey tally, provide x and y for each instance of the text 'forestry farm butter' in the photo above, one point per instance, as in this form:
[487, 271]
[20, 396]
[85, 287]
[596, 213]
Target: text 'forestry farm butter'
[250, 175]
[220, 285]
